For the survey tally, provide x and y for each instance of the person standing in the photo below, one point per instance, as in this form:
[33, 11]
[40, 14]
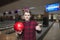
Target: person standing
[30, 27]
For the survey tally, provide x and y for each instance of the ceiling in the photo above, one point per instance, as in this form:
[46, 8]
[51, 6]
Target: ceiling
[5, 2]
[38, 4]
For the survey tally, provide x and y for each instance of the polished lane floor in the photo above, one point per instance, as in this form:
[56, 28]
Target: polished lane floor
[54, 33]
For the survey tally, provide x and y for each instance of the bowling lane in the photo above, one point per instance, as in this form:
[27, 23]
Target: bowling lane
[8, 37]
[3, 35]
[6, 24]
[54, 33]
[12, 36]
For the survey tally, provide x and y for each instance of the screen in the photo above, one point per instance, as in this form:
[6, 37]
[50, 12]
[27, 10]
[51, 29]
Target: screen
[52, 7]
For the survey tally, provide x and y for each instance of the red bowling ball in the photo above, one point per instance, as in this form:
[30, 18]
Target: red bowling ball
[18, 26]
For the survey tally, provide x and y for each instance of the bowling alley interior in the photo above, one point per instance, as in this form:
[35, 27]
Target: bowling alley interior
[44, 12]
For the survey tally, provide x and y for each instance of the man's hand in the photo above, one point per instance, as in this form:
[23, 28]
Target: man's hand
[38, 27]
[19, 32]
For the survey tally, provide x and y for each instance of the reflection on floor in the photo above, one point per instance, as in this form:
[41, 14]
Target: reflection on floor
[54, 33]
[8, 37]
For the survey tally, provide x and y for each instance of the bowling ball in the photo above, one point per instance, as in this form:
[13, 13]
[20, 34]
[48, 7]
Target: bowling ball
[18, 26]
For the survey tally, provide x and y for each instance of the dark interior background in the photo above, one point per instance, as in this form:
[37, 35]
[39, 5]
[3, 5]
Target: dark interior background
[5, 2]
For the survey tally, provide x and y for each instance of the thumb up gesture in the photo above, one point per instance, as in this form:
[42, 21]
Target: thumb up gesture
[38, 27]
